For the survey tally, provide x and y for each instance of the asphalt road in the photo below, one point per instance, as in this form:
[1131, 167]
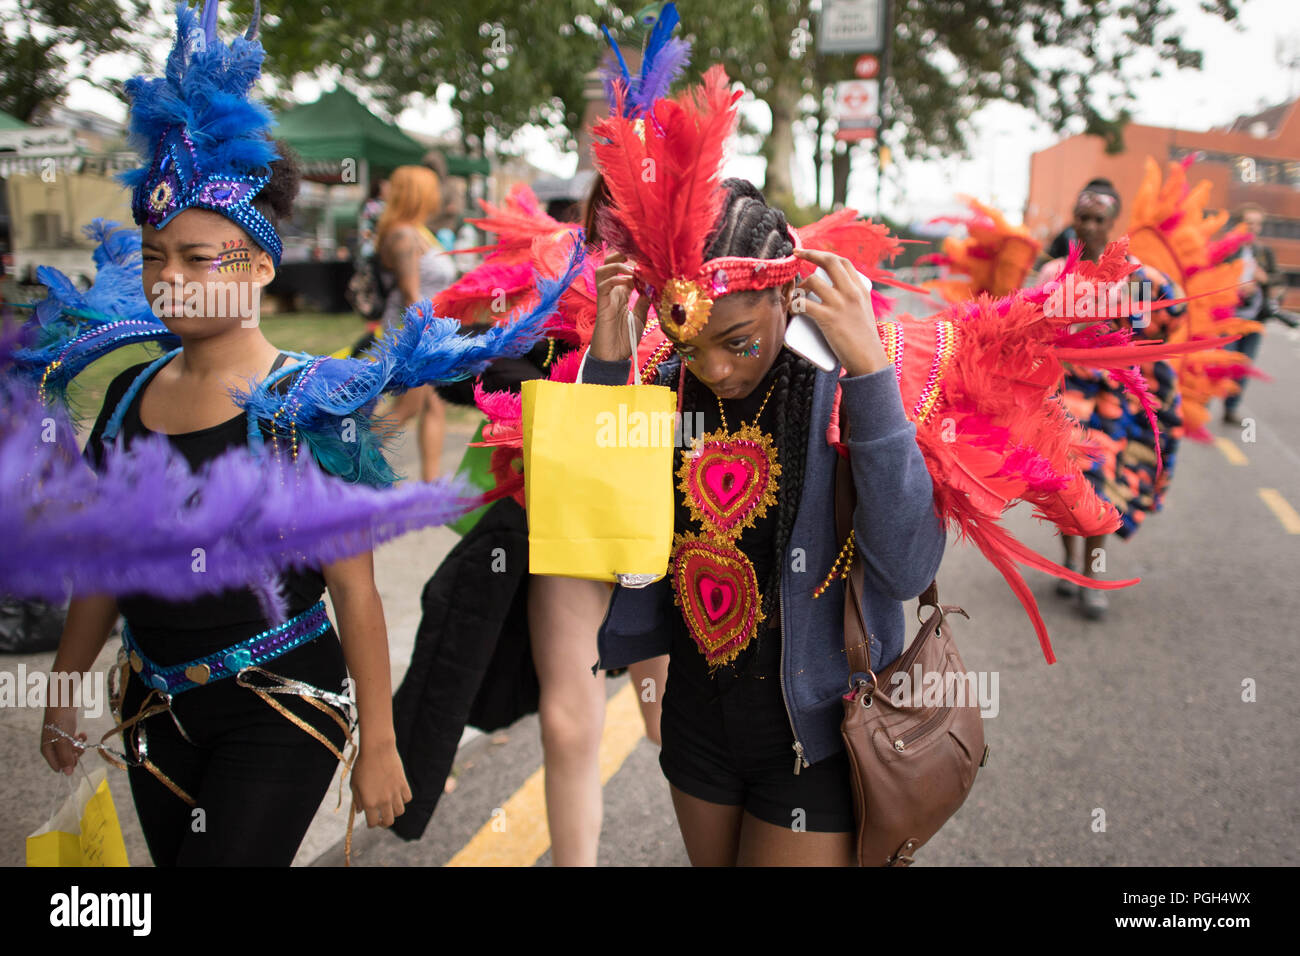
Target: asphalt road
[1141, 723]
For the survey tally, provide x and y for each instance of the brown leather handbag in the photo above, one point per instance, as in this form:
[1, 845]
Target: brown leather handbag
[911, 765]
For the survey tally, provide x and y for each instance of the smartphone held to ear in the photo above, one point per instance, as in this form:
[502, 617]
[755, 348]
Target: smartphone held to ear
[804, 338]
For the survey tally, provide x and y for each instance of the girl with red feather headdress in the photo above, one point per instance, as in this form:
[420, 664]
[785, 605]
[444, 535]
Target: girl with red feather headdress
[948, 420]
[719, 266]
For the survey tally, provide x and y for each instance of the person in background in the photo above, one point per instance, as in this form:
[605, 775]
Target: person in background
[414, 268]
[369, 215]
[1059, 247]
[516, 644]
[1254, 301]
[1126, 474]
[453, 192]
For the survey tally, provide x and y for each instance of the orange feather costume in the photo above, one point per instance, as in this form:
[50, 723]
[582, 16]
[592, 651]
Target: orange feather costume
[1170, 231]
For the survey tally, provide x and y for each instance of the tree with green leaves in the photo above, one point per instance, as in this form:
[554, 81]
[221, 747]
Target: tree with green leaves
[45, 44]
[510, 63]
[1061, 59]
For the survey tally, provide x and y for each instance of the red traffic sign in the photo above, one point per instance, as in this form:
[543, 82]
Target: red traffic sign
[857, 99]
[866, 67]
[854, 134]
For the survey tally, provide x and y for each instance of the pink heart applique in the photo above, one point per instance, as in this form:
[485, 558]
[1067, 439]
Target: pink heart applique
[717, 597]
[726, 480]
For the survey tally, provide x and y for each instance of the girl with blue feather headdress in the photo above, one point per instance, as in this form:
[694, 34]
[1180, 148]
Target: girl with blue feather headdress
[202, 672]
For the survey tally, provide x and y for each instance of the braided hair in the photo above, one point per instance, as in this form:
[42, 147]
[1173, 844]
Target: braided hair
[750, 227]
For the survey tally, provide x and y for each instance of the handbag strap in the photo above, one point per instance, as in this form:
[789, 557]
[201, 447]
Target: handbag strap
[856, 646]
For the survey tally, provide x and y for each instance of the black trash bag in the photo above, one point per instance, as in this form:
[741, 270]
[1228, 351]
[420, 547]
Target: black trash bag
[28, 627]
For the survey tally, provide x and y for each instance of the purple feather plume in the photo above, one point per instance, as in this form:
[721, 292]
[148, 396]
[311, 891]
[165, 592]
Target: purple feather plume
[135, 527]
[662, 62]
[656, 83]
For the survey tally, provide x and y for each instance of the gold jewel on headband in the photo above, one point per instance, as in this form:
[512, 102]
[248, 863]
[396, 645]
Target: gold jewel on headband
[684, 308]
[160, 197]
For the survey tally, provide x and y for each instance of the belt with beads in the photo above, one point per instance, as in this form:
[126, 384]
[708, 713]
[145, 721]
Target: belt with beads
[229, 661]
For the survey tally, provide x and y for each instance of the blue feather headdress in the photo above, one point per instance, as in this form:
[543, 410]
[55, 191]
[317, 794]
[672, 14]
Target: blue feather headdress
[664, 59]
[204, 141]
[71, 329]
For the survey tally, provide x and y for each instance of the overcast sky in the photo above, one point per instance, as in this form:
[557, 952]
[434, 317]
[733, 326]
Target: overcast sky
[1242, 72]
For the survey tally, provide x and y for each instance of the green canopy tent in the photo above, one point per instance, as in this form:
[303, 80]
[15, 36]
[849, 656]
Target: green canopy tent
[8, 121]
[338, 127]
[341, 141]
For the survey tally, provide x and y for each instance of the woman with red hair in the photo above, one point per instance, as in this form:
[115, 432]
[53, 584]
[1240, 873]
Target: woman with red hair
[417, 269]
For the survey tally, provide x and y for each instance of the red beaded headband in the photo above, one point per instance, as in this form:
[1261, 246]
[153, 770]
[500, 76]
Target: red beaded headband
[684, 304]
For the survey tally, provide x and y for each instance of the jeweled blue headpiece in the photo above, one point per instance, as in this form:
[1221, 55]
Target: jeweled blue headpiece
[205, 140]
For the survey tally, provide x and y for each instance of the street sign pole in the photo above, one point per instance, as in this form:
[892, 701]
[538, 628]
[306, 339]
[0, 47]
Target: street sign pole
[884, 99]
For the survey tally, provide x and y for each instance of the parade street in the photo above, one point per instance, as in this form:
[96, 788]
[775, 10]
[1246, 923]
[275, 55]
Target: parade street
[1135, 748]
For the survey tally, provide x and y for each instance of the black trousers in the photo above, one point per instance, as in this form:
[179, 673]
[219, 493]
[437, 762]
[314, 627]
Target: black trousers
[257, 779]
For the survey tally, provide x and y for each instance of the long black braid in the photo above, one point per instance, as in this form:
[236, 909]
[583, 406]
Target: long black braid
[750, 227]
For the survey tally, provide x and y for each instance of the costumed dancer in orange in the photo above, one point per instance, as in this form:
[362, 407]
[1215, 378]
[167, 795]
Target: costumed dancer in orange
[994, 257]
[1136, 430]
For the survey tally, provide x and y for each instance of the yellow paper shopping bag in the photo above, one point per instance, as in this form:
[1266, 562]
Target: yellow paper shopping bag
[84, 831]
[598, 462]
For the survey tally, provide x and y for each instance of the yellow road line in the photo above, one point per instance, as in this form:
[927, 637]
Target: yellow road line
[1281, 509]
[1230, 451]
[517, 834]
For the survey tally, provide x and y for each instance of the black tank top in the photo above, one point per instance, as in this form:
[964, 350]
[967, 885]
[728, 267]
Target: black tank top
[762, 658]
[172, 632]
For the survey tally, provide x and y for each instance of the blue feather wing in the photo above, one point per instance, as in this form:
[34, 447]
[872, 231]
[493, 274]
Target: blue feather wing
[71, 329]
[330, 401]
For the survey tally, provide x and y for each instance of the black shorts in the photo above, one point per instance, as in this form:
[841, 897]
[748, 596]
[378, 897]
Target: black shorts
[737, 749]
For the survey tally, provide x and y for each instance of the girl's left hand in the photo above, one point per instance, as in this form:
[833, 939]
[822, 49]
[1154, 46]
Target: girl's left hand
[844, 314]
[379, 784]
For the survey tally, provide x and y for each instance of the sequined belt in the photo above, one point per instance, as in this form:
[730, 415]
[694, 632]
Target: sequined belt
[229, 661]
[243, 662]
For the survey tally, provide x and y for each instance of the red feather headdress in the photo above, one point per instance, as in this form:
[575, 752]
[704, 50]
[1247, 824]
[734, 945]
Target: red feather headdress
[667, 196]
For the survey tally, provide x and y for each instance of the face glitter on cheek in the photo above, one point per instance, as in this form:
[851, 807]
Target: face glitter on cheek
[235, 257]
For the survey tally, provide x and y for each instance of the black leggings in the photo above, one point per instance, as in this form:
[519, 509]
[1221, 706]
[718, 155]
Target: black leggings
[256, 777]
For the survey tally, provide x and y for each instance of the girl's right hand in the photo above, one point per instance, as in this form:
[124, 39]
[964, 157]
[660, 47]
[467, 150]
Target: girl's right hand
[614, 285]
[57, 750]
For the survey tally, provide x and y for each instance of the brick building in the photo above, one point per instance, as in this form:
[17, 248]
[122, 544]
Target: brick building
[1254, 159]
